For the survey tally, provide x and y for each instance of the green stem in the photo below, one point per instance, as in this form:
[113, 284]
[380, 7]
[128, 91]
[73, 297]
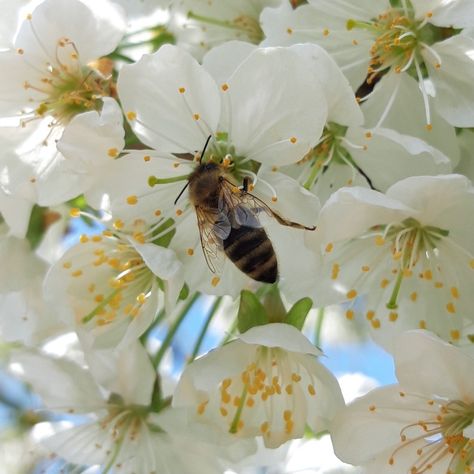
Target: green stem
[313, 175]
[100, 306]
[153, 180]
[238, 413]
[392, 303]
[319, 327]
[118, 446]
[173, 329]
[211, 314]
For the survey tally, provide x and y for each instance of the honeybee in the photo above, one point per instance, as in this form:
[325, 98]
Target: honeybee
[228, 222]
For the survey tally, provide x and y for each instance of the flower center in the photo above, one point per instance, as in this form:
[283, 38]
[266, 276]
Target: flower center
[243, 25]
[440, 437]
[67, 88]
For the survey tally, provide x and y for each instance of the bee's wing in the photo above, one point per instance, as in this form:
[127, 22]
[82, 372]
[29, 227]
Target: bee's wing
[213, 229]
[246, 206]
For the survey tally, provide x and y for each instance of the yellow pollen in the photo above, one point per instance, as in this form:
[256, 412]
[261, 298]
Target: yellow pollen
[335, 271]
[76, 273]
[372, 408]
[201, 408]
[112, 152]
[250, 402]
[98, 298]
[141, 298]
[75, 212]
[225, 87]
[351, 294]
[289, 31]
[329, 247]
[379, 240]
[368, 134]
[451, 308]
[181, 90]
[350, 314]
[311, 390]
[236, 401]
[429, 14]
[179, 212]
[293, 140]
[427, 274]
[147, 158]
[407, 273]
[131, 115]
[67, 265]
[83, 239]
[455, 335]
[215, 281]
[264, 427]
[370, 315]
[274, 199]
[384, 283]
[132, 200]
[287, 415]
[118, 224]
[295, 377]
[393, 316]
[289, 426]
[190, 252]
[325, 32]
[289, 389]
[414, 296]
[454, 292]
[226, 384]
[422, 324]
[375, 323]
[196, 116]
[223, 411]
[429, 127]
[437, 65]
[365, 268]
[438, 284]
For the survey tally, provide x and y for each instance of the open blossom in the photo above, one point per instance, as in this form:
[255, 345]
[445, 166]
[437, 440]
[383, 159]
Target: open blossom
[113, 286]
[409, 254]
[174, 105]
[423, 424]
[53, 79]
[266, 383]
[200, 25]
[118, 427]
[368, 38]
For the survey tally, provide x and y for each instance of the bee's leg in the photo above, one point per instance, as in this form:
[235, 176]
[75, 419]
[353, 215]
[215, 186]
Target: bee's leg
[245, 184]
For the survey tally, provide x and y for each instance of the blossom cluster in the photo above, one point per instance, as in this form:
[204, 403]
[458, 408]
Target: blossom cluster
[254, 162]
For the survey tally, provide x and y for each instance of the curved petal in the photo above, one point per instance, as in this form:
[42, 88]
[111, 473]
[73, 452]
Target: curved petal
[275, 117]
[452, 14]
[172, 102]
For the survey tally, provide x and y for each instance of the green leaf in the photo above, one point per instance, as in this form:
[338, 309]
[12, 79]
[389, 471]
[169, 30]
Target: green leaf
[251, 312]
[297, 314]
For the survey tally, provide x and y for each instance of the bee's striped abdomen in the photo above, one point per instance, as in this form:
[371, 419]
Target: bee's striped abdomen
[252, 252]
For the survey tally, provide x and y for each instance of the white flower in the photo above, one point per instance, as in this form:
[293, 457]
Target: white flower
[110, 285]
[266, 383]
[423, 424]
[408, 253]
[25, 315]
[48, 81]
[199, 25]
[260, 115]
[372, 37]
[121, 429]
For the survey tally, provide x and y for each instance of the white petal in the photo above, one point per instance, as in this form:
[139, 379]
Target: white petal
[167, 119]
[78, 390]
[451, 13]
[342, 106]
[453, 79]
[407, 114]
[16, 213]
[161, 261]
[390, 156]
[280, 335]
[94, 33]
[276, 117]
[432, 367]
[466, 163]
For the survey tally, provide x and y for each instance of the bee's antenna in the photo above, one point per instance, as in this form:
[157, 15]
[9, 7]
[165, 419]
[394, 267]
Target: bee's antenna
[200, 160]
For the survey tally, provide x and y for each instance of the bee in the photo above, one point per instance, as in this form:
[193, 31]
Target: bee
[228, 222]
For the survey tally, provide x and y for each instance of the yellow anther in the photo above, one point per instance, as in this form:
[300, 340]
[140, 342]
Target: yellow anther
[96, 238]
[289, 389]
[311, 390]
[372, 408]
[225, 87]
[293, 140]
[295, 377]
[201, 408]
[455, 335]
[350, 314]
[250, 402]
[335, 271]
[264, 427]
[429, 127]
[141, 298]
[67, 265]
[355, 42]
[132, 200]
[112, 152]
[118, 224]
[107, 233]
[393, 316]
[181, 90]
[407, 273]
[351, 294]
[368, 134]
[329, 247]
[196, 116]
[384, 283]
[76, 273]
[223, 411]
[226, 383]
[375, 323]
[454, 292]
[429, 14]
[451, 308]
[190, 252]
[131, 115]
[471, 263]
[370, 315]
[427, 274]
[365, 268]
[83, 239]
[99, 298]
[414, 296]
[325, 32]
[20, 51]
[215, 281]
[179, 212]
[287, 415]
[75, 212]
[147, 158]
[274, 168]
[91, 288]
[289, 31]
[379, 240]
[274, 199]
